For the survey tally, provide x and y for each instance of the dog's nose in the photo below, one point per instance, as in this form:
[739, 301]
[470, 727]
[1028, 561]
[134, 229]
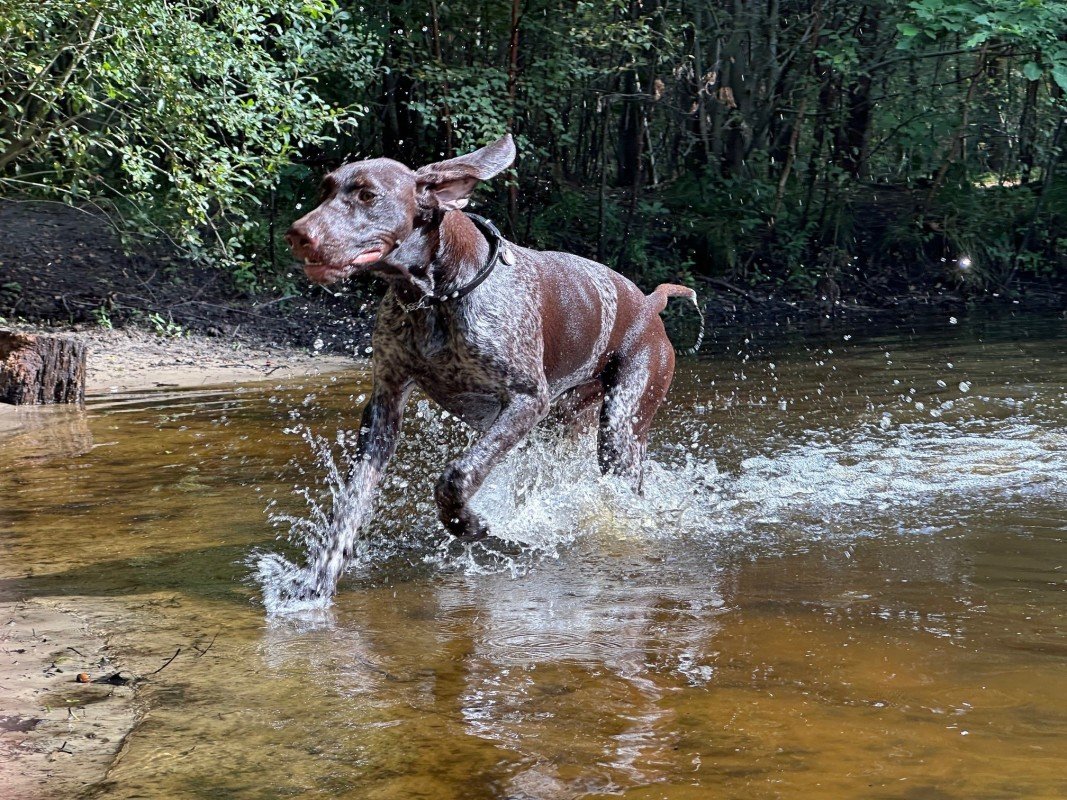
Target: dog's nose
[300, 241]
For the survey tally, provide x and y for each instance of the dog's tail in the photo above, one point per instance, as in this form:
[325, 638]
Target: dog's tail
[664, 292]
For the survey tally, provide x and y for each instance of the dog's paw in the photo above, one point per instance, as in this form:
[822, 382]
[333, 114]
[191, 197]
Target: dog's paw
[467, 526]
[478, 534]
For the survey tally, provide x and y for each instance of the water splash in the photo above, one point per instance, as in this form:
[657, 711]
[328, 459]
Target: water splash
[544, 496]
[289, 587]
[549, 493]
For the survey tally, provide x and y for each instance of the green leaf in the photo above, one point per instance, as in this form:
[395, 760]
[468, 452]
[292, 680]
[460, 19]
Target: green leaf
[1031, 71]
[907, 29]
[1059, 74]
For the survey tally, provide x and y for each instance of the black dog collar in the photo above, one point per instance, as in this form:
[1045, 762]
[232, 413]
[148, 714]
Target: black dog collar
[495, 240]
[498, 251]
[495, 253]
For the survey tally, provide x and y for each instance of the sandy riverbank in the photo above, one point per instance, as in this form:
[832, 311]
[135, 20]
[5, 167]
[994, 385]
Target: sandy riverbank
[133, 360]
[59, 736]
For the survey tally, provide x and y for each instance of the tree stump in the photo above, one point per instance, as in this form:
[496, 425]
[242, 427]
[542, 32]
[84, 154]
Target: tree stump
[41, 369]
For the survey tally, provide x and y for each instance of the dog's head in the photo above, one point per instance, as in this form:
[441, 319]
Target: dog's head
[370, 207]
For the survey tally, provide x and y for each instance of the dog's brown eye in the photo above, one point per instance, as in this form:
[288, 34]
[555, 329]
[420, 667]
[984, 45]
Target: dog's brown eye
[366, 195]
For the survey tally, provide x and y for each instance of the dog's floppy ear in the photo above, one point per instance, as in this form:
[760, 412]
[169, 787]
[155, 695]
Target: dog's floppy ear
[447, 185]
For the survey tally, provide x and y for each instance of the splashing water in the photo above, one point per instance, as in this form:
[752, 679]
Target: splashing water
[330, 533]
[549, 493]
[327, 534]
[541, 498]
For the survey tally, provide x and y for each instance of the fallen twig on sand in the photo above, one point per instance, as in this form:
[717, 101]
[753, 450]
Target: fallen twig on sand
[209, 644]
[167, 664]
[277, 300]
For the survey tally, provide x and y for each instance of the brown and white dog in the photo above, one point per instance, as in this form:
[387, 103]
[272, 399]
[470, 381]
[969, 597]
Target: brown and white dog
[497, 334]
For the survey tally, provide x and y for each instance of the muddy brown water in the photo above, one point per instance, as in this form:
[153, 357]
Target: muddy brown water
[847, 581]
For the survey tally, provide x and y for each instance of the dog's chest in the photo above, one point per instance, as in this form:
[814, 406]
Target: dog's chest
[457, 364]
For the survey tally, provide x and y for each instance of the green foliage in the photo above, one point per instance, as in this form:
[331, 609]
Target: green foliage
[1035, 25]
[181, 114]
[165, 326]
[102, 316]
[780, 143]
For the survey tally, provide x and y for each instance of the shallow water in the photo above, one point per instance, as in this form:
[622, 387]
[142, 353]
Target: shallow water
[846, 580]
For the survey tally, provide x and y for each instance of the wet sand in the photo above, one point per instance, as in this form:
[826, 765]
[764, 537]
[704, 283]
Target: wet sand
[9, 418]
[59, 736]
[133, 361]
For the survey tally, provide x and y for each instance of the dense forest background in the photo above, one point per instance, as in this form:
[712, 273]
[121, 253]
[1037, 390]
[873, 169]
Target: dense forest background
[868, 149]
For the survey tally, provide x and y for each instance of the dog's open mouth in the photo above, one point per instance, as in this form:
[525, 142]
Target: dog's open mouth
[318, 272]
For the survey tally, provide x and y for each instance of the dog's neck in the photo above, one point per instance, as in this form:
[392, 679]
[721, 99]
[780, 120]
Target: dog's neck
[440, 255]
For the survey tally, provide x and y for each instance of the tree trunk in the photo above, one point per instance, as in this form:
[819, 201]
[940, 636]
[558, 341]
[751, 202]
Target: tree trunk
[602, 205]
[513, 82]
[737, 91]
[446, 113]
[630, 133]
[957, 150]
[853, 146]
[698, 88]
[41, 369]
[400, 124]
[1028, 132]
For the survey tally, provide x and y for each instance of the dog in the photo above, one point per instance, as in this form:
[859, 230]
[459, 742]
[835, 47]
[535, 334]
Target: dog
[497, 334]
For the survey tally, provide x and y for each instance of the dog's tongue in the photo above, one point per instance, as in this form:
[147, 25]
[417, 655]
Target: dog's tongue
[368, 257]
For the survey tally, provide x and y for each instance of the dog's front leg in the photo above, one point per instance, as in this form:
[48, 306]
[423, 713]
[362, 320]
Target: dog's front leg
[379, 433]
[464, 476]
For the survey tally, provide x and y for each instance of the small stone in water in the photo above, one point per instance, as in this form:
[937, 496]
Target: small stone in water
[318, 344]
[965, 386]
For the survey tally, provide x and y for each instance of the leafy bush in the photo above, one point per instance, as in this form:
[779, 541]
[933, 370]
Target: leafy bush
[180, 116]
[870, 143]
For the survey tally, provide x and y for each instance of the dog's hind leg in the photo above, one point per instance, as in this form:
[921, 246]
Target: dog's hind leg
[637, 383]
[577, 412]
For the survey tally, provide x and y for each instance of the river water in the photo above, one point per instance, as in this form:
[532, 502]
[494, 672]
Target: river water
[846, 579]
